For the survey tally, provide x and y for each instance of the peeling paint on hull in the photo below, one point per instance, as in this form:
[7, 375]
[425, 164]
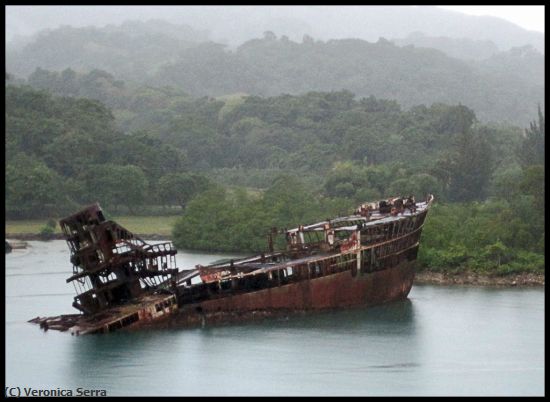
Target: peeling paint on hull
[339, 290]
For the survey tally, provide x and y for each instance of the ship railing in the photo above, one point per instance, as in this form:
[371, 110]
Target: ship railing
[376, 218]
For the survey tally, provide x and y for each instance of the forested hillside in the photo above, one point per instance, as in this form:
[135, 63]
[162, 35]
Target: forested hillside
[308, 134]
[460, 48]
[63, 153]
[503, 87]
[133, 50]
[409, 75]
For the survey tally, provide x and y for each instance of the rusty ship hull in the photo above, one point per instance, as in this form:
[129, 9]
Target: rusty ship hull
[339, 290]
[362, 259]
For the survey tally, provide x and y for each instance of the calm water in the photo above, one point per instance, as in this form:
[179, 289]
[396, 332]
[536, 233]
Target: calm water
[442, 341]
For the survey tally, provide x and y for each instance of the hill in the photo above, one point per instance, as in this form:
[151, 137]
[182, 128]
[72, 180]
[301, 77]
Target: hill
[409, 75]
[236, 24]
[498, 86]
[132, 50]
[459, 48]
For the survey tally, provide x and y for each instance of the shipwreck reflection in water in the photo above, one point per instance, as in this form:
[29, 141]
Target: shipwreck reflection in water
[238, 358]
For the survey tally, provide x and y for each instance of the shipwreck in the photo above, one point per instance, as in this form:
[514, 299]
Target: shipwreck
[123, 283]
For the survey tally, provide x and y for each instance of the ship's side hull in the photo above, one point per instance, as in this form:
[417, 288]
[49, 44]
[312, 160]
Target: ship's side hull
[377, 272]
[342, 289]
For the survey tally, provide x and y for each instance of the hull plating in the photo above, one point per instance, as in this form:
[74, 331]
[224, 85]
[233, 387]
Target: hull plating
[338, 290]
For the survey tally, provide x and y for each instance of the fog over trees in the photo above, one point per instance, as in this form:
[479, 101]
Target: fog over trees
[275, 50]
[236, 24]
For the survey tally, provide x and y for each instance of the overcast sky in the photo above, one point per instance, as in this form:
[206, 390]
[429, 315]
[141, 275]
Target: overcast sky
[528, 17]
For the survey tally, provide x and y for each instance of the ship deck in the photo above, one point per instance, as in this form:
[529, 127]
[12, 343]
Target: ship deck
[141, 309]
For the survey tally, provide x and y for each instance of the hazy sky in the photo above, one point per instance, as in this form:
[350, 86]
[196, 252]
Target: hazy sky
[528, 17]
[26, 20]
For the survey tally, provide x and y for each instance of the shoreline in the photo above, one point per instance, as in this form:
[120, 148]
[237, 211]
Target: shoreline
[60, 236]
[421, 277]
[474, 279]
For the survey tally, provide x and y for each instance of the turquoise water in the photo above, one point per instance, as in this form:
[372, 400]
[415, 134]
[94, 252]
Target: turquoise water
[441, 341]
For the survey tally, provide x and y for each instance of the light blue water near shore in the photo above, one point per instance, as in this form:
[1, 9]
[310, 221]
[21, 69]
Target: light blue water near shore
[441, 341]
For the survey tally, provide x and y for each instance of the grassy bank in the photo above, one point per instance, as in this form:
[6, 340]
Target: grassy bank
[161, 225]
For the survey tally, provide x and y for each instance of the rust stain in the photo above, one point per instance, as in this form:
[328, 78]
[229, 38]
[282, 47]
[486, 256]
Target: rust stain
[123, 282]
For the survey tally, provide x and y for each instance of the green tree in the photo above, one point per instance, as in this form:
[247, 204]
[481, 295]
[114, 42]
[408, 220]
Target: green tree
[532, 183]
[114, 186]
[419, 185]
[33, 190]
[345, 179]
[179, 188]
[470, 167]
[531, 150]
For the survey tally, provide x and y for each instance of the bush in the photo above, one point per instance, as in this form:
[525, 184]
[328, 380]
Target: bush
[484, 237]
[47, 232]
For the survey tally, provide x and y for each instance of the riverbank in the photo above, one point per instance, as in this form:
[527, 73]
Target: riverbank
[474, 279]
[59, 236]
[146, 227]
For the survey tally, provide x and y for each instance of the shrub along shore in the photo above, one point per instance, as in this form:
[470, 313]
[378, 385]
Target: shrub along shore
[474, 279]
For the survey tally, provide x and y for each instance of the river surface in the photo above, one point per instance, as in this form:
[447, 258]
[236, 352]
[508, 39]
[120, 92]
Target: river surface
[441, 341]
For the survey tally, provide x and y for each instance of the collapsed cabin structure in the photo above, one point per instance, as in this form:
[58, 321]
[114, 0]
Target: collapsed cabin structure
[121, 281]
[110, 264]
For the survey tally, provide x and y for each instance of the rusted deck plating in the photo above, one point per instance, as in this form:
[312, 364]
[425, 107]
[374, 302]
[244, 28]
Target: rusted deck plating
[121, 281]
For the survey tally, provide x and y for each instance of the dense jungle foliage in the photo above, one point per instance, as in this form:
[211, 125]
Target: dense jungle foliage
[237, 166]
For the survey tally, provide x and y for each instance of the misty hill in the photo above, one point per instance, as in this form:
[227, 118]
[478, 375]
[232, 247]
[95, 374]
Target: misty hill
[523, 63]
[365, 22]
[460, 48]
[234, 25]
[131, 50]
[137, 107]
[505, 87]
[410, 75]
